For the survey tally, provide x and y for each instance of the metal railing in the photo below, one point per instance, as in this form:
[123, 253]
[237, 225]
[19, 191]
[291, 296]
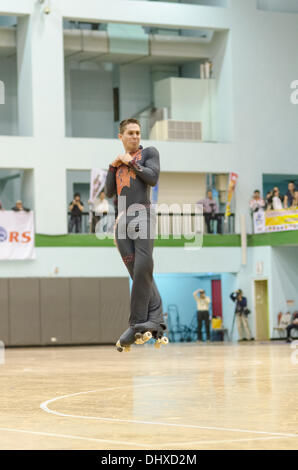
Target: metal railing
[174, 223]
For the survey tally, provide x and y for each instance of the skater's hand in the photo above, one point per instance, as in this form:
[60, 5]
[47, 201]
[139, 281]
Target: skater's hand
[126, 158]
[117, 162]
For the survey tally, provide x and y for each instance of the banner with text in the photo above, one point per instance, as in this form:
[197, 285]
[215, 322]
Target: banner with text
[275, 221]
[17, 235]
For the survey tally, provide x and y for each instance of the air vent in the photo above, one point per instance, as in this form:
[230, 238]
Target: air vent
[177, 130]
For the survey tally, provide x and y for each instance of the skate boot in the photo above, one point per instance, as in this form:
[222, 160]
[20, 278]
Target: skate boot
[146, 331]
[126, 339]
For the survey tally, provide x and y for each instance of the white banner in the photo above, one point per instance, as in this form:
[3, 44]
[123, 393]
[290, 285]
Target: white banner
[259, 221]
[17, 235]
[98, 179]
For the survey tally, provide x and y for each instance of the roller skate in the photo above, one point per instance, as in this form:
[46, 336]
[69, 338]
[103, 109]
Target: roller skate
[146, 331]
[126, 339]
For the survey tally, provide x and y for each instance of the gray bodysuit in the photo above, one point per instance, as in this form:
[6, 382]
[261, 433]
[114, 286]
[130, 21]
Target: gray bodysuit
[133, 181]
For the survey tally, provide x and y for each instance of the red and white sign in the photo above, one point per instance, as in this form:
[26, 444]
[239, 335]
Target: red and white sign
[16, 235]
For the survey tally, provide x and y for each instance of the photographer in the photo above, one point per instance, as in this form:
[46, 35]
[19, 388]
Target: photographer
[203, 313]
[241, 311]
[76, 208]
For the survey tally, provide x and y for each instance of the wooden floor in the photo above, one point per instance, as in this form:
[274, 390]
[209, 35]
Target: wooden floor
[185, 396]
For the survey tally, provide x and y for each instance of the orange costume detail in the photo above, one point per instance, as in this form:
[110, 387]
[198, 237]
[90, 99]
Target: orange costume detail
[124, 173]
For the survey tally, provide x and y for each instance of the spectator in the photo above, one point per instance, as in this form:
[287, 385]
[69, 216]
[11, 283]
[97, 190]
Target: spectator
[101, 209]
[94, 217]
[210, 211]
[268, 201]
[290, 194]
[241, 312]
[203, 313]
[277, 199]
[257, 203]
[293, 325]
[295, 200]
[1, 207]
[19, 207]
[76, 208]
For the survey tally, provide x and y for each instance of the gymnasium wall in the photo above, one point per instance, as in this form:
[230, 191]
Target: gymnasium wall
[260, 136]
[46, 311]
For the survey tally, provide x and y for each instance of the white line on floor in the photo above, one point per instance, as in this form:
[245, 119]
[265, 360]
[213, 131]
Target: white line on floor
[227, 441]
[67, 436]
[44, 407]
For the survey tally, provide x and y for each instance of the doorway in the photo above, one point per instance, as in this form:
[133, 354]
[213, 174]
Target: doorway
[261, 309]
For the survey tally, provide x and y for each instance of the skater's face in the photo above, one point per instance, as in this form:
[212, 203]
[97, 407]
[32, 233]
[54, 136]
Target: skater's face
[131, 137]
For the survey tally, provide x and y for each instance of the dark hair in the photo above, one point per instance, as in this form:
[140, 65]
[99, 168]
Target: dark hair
[257, 191]
[293, 182]
[125, 123]
[76, 195]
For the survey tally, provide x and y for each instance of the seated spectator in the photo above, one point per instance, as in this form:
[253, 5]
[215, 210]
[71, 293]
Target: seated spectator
[257, 203]
[210, 211]
[19, 207]
[295, 200]
[76, 208]
[277, 199]
[293, 325]
[288, 199]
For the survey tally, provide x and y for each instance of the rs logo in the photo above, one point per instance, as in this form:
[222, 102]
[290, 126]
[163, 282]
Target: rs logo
[14, 237]
[19, 237]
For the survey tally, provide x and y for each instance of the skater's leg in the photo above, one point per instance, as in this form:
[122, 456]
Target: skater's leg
[146, 305]
[142, 281]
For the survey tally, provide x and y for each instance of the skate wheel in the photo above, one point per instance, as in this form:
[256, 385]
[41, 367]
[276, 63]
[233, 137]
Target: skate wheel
[164, 340]
[126, 348]
[139, 341]
[157, 344]
[139, 338]
[119, 347]
[147, 336]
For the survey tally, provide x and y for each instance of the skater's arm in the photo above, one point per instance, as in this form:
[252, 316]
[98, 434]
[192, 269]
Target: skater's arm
[149, 172]
[110, 186]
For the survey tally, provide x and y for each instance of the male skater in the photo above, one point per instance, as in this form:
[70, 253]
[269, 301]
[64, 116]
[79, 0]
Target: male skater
[130, 175]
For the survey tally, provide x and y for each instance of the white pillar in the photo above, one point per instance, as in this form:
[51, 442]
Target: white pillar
[40, 59]
[68, 104]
